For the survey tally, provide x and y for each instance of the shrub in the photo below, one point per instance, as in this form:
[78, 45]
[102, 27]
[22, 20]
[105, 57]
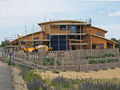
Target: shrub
[91, 61]
[35, 62]
[8, 61]
[44, 62]
[56, 72]
[92, 56]
[46, 59]
[112, 54]
[58, 62]
[95, 61]
[51, 61]
[109, 60]
[102, 56]
[108, 54]
[116, 59]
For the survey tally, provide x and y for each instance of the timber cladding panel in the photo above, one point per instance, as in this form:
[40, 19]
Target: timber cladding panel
[31, 37]
[96, 40]
[95, 31]
[56, 30]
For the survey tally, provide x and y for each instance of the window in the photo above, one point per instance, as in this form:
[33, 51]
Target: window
[64, 27]
[93, 46]
[73, 47]
[72, 29]
[36, 42]
[101, 46]
[99, 33]
[22, 43]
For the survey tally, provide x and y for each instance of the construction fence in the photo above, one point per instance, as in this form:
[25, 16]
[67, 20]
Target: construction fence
[68, 60]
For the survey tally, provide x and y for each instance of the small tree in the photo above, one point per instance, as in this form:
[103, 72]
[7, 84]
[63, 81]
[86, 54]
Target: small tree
[6, 42]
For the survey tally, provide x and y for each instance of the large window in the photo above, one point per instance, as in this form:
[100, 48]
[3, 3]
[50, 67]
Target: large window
[93, 46]
[99, 33]
[101, 46]
[64, 27]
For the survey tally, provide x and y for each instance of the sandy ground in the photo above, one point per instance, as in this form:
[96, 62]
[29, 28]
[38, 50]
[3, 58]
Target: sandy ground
[18, 82]
[102, 74]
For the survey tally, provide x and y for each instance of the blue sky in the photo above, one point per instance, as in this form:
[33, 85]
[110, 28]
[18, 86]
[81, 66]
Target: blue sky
[15, 14]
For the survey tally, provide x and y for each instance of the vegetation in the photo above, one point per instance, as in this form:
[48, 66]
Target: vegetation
[101, 55]
[95, 61]
[6, 42]
[8, 61]
[35, 82]
[117, 43]
[50, 61]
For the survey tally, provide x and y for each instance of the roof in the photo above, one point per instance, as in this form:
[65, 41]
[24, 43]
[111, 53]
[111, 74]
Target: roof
[99, 28]
[72, 24]
[26, 35]
[56, 21]
[104, 38]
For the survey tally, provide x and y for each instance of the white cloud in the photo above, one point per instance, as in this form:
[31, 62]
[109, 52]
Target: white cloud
[101, 11]
[117, 13]
[21, 12]
[113, 30]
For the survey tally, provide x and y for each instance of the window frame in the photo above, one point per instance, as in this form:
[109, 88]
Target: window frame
[92, 46]
[103, 45]
[61, 26]
[99, 33]
[36, 42]
[22, 43]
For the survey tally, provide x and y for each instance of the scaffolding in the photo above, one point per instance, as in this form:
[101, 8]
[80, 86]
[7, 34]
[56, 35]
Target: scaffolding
[81, 38]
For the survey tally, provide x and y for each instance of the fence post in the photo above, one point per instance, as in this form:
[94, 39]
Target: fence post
[87, 66]
[62, 64]
[114, 65]
[106, 65]
[97, 64]
[55, 64]
[10, 58]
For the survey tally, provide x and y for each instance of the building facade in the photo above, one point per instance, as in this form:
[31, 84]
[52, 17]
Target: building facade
[66, 35]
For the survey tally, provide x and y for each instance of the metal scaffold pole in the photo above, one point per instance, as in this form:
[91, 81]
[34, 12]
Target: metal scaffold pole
[33, 32]
[58, 37]
[25, 35]
[66, 36]
[49, 36]
[80, 37]
[90, 37]
[41, 34]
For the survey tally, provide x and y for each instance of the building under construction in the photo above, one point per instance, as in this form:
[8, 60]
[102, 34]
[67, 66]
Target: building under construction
[66, 35]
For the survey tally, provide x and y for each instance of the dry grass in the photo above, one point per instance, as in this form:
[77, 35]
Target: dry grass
[102, 74]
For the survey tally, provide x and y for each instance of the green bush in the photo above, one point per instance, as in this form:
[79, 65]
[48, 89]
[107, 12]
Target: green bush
[44, 62]
[109, 60]
[56, 72]
[92, 56]
[46, 59]
[58, 62]
[51, 61]
[8, 61]
[116, 59]
[102, 56]
[112, 54]
[91, 61]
